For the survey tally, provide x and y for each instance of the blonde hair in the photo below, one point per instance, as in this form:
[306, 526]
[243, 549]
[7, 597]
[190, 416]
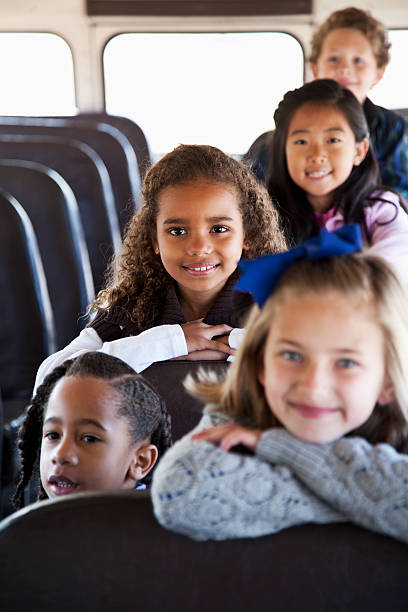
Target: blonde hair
[241, 395]
[356, 19]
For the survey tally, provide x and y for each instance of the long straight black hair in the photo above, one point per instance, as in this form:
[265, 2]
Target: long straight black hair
[298, 217]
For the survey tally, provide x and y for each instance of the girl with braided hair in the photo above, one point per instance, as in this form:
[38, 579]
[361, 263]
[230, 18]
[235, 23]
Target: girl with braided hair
[171, 294]
[93, 425]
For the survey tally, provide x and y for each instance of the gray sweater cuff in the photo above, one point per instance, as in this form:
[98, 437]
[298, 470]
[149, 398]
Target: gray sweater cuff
[279, 446]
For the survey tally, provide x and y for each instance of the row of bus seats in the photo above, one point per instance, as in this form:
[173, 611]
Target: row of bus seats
[68, 186]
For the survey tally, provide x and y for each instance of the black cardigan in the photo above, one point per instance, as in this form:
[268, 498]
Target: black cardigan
[231, 307]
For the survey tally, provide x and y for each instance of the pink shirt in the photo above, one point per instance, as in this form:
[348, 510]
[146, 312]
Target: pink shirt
[390, 240]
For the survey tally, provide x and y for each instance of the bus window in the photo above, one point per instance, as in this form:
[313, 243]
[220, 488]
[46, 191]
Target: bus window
[36, 74]
[206, 88]
[390, 92]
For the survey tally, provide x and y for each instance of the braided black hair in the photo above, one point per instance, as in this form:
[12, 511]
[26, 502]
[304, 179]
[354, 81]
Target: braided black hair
[30, 433]
[139, 403]
[145, 412]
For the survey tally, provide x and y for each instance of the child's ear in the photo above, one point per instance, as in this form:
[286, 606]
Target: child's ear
[315, 71]
[261, 372]
[141, 463]
[155, 244]
[380, 74]
[246, 246]
[387, 393]
[361, 151]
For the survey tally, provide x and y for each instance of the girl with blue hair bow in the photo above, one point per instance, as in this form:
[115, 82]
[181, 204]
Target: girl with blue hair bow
[311, 423]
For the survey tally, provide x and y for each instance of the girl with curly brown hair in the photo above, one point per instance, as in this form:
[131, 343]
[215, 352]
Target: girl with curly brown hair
[171, 293]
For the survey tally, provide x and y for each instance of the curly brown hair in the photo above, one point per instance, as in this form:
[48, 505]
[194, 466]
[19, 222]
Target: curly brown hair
[137, 281]
[356, 19]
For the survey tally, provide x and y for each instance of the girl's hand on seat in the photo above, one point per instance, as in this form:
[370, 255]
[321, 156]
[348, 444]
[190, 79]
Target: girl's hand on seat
[230, 434]
[199, 339]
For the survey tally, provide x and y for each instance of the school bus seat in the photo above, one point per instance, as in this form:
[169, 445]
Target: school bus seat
[104, 552]
[167, 377]
[107, 141]
[85, 172]
[131, 130]
[27, 333]
[53, 212]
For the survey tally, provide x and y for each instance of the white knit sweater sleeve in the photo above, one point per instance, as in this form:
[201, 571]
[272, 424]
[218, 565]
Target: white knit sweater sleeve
[207, 493]
[366, 483]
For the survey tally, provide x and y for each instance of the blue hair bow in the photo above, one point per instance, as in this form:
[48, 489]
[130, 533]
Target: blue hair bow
[260, 276]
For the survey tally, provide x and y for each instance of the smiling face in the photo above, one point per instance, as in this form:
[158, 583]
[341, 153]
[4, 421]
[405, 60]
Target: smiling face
[85, 445]
[323, 366]
[321, 151]
[200, 237]
[347, 57]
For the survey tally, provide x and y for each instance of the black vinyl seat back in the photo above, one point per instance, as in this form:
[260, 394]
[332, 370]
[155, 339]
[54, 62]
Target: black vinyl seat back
[1, 436]
[8, 466]
[167, 377]
[27, 333]
[53, 212]
[131, 130]
[107, 141]
[104, 552]
[87, 176]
